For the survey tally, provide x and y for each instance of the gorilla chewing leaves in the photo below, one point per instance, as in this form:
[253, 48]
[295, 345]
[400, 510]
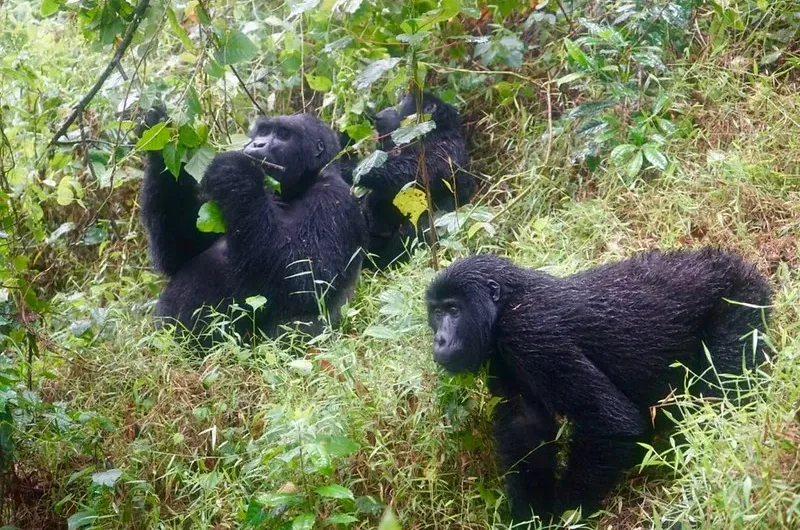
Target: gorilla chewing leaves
[295, 249]
[596, 347]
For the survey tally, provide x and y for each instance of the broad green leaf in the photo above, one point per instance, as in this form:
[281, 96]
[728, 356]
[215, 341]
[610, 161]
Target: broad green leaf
[235, 47]
[621, 153]
[654, 156]
[188, 136]
[319, 83]
[209, 218]
[412, 203]
[301, 6]
[199, 162]
[255, 301]
[304, 521]
[173, 153]
[382, 332]
[256, 516]
[447, 10]
[107, 478]
[335, 491]
[591, 108]
[341, 518]
[569, 78]
[65, 194]
[155, 138]
[80, 520]
[49, 7]
[273, 500]
[179, 31]
[376, 159]
[373, 72]
[389, 521]
[340, 446]
[405, 135]
[635, 164]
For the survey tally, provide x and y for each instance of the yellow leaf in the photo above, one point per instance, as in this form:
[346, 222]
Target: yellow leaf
[412, 203]
[65, 193]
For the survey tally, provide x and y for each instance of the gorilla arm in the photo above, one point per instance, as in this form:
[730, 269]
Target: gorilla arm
[607, 425]
[404, 167]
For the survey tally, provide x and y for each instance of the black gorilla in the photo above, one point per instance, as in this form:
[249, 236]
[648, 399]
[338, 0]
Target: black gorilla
[595, 347]
[386, 121]
[296, 248]
[445, 159]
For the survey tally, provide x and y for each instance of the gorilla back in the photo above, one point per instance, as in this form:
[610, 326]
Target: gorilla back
[300, 249]
[597, 347]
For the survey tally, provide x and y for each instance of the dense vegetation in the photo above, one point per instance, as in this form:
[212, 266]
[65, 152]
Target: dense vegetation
[597, 129]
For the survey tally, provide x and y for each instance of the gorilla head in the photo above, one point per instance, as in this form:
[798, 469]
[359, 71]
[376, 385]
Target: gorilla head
[463, 304]
[444, 116]
[293, 149]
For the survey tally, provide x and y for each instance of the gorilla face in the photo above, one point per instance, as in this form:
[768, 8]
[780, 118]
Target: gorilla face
[462, 322]
[292, 148]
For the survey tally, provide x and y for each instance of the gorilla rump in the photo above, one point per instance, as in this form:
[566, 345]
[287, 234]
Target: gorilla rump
[595, 347]
[445, 159]
[295, 248]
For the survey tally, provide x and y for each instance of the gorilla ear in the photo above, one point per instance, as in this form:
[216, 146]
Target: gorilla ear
[494, 290]
[320, 147]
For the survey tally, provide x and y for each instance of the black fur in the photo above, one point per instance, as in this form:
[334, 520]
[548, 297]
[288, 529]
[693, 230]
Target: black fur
[445, 159]
[595, 347]
[271, 241]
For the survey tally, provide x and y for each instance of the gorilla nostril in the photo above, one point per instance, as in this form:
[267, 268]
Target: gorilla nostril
[439, 340]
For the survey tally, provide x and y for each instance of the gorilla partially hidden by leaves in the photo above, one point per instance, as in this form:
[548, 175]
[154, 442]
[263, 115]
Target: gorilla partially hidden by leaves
[596, 347]
[445, 159]
[299, 248]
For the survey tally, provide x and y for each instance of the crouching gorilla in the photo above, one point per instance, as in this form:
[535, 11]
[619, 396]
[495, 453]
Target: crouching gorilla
[299, 248]
[446, 158]
[595, 347]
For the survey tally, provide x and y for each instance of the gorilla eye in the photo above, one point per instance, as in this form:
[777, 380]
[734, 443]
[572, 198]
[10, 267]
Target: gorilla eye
[283, 134]
[438, 313]
[452, 309]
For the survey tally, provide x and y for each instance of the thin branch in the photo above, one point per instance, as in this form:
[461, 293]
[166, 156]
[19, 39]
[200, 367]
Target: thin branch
[138, 15]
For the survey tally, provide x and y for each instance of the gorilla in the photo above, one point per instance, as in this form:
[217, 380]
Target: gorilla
[445, 161]
[385, 121]
[299, 248]
[597, 348]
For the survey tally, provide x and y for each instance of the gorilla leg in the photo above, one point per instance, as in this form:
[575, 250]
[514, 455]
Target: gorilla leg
[525, 436]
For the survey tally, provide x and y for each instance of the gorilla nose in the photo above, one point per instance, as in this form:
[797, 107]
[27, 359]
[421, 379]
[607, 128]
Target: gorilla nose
[257, 144]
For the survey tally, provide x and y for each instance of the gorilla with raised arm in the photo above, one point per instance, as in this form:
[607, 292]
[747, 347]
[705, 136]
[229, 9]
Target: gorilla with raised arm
[597, 347]
[446, 159]
[299, 248]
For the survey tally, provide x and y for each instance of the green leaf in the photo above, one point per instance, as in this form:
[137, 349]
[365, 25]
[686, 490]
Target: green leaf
[301, 6]
[340, 446]
[335, 491]
[80, 520]
[155, 138]
[188, 137]
[235, 47]
[179, 31]
[405, 135]
[49, 7]
[447, 10]
[304, 522]
[193, 103]
[209, 218]
[255, 301]
[319, 83]
[376, 159]
[654, 156]
[256, 516]
[273, 500]
[199, 162]
[341, 518]
[373, 72]
[576, 54]
[107, 478]
[65, 193]
[389, 521]
[621, 153]
[173, 154]
[635, 164]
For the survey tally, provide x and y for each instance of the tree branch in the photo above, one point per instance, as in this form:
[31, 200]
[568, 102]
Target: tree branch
[138, 15]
